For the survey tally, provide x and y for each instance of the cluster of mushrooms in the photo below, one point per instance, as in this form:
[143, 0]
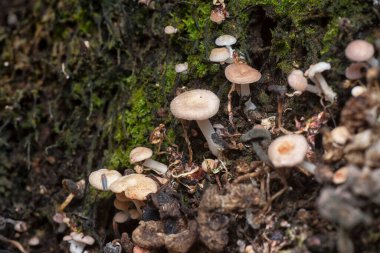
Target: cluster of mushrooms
[358, 147]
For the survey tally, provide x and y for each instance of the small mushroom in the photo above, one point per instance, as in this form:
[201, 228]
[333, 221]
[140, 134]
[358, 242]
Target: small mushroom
[140, 154]
[78, 241]
[290, 150]
[103, 178]
[298, 82]
[358, 90]
[243, 74]
[226, 41]
[199, 105]
[218, 14]
[136, 187]
[219, 55]
[314, 73]
[361, 51]
[170, 29]
[181, 68]
[356, 70]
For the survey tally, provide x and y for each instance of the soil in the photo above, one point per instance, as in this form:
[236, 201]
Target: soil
[83, 83]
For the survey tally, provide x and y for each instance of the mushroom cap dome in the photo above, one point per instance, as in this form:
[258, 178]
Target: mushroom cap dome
[225, 40]
[241, 73]
[359, 50]
[219, 54]
[135, 186]
[95, 178]
[140, 154]
[297, 81]
[288, 150]
[195, 105]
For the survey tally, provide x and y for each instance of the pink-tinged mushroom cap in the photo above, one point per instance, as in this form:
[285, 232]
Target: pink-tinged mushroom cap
[288, 150]
[297, 80]
[241, 73]
[359, 50]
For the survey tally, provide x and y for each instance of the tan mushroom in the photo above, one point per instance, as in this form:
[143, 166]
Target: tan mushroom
[243, 74]
[141, 154]
[198, 105]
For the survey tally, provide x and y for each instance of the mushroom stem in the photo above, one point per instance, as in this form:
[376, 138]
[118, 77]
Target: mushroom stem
[326, 90]
[158, 167]
[207, 131]
[231, 51]
[313, 89]
[260, 152]
[310, 167]
[245, 91]
[373, 62]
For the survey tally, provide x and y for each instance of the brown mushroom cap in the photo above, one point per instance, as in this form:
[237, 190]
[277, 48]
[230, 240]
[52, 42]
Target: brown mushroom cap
[135, 186]
[359, 50]
[95, 178]
[241, 73]
[288, 150]
[195, 105]
[140, 154]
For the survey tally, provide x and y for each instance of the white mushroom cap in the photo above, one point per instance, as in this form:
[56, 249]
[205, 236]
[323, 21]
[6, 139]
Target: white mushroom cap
[181, 67]
[288, 150]
[135, 186]
[358, 90]
[95, 178]
[225, 40]
[170, 29]
[140, 154]
[359, 50]
[297, 80]
[241, 73]
[219, 54]
[195, 105]
[317, 68]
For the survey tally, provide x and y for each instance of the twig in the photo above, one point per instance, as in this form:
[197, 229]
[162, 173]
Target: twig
[15, 244]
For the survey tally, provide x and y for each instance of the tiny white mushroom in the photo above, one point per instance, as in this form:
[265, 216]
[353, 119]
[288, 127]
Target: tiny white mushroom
[181, 67]
[170, 29]
[140, 154]
[314, 73]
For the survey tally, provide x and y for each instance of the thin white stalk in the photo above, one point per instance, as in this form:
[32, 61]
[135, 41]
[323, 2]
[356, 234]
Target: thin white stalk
[310, 167]
[319, 80]
[158, 167]
[207, 131]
